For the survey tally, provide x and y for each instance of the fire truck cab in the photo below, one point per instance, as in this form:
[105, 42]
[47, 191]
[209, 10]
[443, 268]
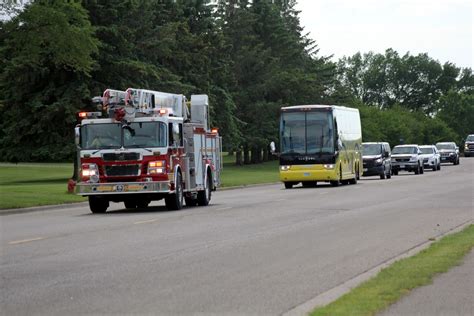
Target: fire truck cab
[148, 145]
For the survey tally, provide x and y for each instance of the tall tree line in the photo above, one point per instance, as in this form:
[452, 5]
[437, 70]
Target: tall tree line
[250, 57]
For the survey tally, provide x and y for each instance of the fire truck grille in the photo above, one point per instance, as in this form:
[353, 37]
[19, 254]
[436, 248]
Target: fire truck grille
[120, 156]
[122, 170]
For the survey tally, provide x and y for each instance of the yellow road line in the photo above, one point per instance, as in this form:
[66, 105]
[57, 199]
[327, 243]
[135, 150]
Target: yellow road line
[16, 242]
[145, 222]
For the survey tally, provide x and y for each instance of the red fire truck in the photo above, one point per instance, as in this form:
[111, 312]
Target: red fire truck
[147, 145]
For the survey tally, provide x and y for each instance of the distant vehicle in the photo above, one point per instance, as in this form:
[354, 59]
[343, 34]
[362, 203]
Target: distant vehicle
[319, 143]
[469, 146]
[376, 159]
[431, 157]
[449, 152]
[408, 158]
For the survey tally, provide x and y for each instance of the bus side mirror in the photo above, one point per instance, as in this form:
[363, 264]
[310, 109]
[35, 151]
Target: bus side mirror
[272, 148]
[77, 135]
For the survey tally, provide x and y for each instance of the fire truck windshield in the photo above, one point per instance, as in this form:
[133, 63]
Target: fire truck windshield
[112, 135]
[147, 134]
[104, 136]
[307, 133]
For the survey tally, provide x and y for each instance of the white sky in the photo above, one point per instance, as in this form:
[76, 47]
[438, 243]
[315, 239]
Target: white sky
[441, 28]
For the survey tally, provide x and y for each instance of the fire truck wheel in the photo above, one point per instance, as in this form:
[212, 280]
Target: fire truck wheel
[175, 201]
[190, 201]
[130, 204]
[98, 204]
[204, 196]
[142, 203]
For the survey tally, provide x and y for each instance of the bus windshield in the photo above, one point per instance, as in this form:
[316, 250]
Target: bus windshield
[307, 133]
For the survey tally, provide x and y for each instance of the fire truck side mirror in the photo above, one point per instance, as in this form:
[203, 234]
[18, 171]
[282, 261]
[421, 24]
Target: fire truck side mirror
[77, 135]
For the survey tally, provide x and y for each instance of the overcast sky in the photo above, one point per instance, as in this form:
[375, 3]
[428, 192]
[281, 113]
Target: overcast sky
[441, 28]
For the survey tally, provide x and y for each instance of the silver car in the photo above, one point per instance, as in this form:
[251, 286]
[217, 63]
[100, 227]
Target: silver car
[431, 157]
[408, 158]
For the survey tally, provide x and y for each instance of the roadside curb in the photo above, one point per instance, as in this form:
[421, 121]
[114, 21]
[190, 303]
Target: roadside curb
[336, 292]
[11, 211]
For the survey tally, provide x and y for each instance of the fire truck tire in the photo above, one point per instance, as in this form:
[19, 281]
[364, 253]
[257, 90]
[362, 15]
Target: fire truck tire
[190, 201]
[204, 196]
[98, 205]
[130, 204]
[174, 201]
[142, 203]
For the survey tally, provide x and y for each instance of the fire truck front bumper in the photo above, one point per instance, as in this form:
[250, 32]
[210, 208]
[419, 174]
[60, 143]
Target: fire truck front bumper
[122, 188]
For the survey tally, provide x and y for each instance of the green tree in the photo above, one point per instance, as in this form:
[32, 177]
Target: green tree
[46, 58]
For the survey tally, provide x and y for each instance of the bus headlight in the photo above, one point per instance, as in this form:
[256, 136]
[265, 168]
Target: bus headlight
[328, 166]
[285, 168]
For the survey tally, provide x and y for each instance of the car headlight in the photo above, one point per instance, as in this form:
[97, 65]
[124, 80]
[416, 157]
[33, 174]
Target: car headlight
[451, 154]
[466, 146]
[328, 166]
[413, 158]
[285, 168]
[378, 161]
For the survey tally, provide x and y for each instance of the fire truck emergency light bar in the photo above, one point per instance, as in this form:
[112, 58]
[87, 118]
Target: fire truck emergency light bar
[83, 115]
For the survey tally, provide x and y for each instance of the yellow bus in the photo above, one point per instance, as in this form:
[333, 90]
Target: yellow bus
[320, 143]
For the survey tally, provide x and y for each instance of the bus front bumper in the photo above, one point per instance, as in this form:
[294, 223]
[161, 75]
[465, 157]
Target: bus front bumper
[308, 174]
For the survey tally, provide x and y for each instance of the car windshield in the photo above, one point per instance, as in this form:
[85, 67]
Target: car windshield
[445, 146]
[404, 150]
[371, 149]
[426, 150]
[470, 138]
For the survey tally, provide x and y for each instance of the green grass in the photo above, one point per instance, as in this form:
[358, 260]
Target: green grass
[233, 175]
[34, 184]
[400, 278]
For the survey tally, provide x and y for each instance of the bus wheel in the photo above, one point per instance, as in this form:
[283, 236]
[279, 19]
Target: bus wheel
[288, 185]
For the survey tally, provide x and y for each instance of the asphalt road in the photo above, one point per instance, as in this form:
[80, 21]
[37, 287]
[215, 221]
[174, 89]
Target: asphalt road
[259, 250]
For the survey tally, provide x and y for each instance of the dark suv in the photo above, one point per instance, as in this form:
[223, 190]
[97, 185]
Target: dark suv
[376, 158]
[469, 146]
[449, 152]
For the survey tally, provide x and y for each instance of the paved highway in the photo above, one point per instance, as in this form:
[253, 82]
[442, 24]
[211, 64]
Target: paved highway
[259, 250]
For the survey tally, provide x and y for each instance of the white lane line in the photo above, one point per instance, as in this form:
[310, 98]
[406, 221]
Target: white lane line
[146, 222]
[16, 242]
[224, 208]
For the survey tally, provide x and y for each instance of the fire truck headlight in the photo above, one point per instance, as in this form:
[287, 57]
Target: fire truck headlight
[156, 167]
[285, 168]
[90, 170]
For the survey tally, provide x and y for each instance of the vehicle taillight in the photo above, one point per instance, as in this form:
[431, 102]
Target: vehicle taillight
[157, 167]
[90, 171]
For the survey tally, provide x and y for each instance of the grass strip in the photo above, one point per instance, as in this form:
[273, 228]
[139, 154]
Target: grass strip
[35, 184]
[397, 280]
